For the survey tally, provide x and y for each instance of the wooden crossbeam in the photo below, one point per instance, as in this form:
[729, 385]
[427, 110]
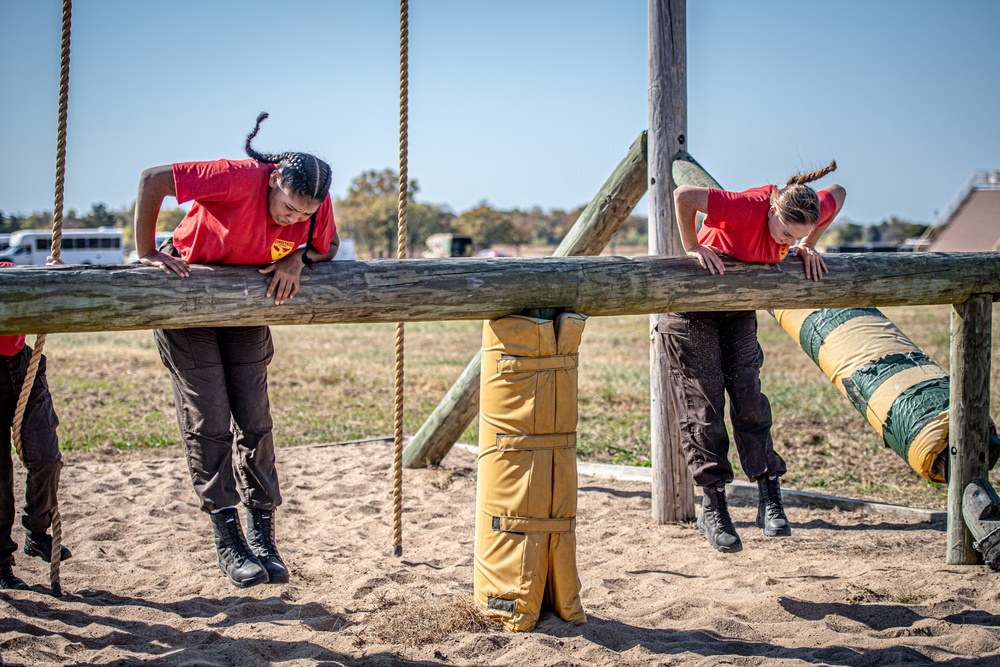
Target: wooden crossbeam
[116, 298]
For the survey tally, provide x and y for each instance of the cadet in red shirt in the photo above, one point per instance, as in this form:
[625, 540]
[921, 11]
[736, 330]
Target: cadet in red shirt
[271, 210]
[40, 446]
[713, 354]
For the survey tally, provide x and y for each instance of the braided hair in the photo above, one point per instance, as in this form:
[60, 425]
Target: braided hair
[303, 174]
[797, 203]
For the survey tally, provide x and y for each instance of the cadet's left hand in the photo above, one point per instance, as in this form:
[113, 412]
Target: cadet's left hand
[812, 260]
[285, 279]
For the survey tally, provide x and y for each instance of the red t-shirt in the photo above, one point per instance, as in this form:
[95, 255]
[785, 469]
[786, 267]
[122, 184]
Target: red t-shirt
[737, 223]
[229, 222]
[10, 345]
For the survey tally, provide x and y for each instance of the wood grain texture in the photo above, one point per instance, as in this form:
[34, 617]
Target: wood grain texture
[968, 435]
[117, 298]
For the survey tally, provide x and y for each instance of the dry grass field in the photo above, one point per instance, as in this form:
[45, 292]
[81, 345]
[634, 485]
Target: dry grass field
[331, 383]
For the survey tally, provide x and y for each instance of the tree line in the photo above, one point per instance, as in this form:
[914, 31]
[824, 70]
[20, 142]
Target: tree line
[368, 213]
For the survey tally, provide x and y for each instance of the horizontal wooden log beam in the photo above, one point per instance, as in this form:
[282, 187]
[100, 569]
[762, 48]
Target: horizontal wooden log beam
[117, 298]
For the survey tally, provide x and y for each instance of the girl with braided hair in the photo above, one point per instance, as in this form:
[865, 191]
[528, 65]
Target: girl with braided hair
[270, 210]
[712, 354]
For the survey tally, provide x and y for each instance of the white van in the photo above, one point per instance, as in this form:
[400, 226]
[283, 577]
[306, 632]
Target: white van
[346, 250]
[133, 256]
[79, 246]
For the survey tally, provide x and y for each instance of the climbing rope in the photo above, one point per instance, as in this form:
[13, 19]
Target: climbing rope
[57, 215]
[397, 446]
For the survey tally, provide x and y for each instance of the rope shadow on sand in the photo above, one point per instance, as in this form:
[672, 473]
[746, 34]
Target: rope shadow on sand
[164, 644]
[880, 617]
[621, 638]
[81, 611]
[617, 493]
[936, 526]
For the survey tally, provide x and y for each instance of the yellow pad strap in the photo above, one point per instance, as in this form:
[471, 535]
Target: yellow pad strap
[530, 442]
[881, 400]
[524, 525]
[559, 362]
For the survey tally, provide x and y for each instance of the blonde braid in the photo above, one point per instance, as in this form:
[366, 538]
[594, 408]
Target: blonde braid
[797, 203]
[809, 177]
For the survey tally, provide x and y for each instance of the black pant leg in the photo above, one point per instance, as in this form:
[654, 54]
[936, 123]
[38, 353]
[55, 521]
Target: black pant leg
[246, 353]
[749, 408]
[204, 417]
[691, 344]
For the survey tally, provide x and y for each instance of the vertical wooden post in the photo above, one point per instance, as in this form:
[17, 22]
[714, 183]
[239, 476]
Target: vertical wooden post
[968, 435]
[673, 494]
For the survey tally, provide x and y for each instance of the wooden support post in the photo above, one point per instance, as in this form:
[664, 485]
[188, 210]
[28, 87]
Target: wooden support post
[589, 235]
[673, 493]
[968, 436]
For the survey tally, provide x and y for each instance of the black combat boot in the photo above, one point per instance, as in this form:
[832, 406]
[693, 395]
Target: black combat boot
[770, 514]
[39, 545]
[714, 521]
[235, 558]
[8, 580]
[260, 536]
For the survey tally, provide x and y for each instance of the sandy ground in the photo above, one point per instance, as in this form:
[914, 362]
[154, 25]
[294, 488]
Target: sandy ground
[848, 588]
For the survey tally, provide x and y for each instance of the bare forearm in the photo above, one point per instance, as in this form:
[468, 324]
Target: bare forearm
[839, 195]
[329, 254]
[687, 202]
[155, 184]
[686, 226]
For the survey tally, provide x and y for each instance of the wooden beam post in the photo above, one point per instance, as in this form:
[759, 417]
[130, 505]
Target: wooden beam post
[589, 235]
[968, 435]
[673, 493]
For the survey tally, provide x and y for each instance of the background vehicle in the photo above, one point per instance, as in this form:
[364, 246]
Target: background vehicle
[79, 246]
[448, 245]
[346, 250]
[133, 256]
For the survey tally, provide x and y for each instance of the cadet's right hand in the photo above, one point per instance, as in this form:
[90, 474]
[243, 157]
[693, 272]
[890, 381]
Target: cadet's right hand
[168, 263]
[708, 258]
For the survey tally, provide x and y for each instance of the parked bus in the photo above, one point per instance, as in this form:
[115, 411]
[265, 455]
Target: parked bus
[133, 256]
[79, 246]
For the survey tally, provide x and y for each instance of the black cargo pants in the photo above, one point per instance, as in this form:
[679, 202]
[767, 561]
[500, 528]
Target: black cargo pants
[219, 379]
[710, 355]
[40, 446]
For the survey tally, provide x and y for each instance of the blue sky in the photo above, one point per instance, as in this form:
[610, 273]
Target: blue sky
[517, 103]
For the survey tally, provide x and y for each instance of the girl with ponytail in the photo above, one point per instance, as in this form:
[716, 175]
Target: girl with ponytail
[272, 211]
[714, 354]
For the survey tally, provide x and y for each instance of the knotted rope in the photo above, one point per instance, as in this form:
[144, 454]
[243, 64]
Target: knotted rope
[57, 215]
[397, 448]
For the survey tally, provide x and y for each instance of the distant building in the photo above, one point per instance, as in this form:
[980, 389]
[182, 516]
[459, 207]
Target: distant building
[971, 221]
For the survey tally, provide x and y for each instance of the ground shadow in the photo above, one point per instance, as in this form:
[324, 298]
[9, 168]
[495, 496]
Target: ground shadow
[617, 493]
[621, 638]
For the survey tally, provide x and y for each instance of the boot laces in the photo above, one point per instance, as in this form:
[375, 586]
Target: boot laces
[239, 545]
[262, 524]
[772, 498]
[721, 510]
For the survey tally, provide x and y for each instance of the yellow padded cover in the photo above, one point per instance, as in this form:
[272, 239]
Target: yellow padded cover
[526, 494]
[863, 340]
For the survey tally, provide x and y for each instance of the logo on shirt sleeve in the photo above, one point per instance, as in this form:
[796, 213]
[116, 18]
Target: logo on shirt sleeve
[280, 248]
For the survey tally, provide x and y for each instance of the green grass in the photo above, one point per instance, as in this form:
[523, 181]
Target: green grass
[332, 383]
